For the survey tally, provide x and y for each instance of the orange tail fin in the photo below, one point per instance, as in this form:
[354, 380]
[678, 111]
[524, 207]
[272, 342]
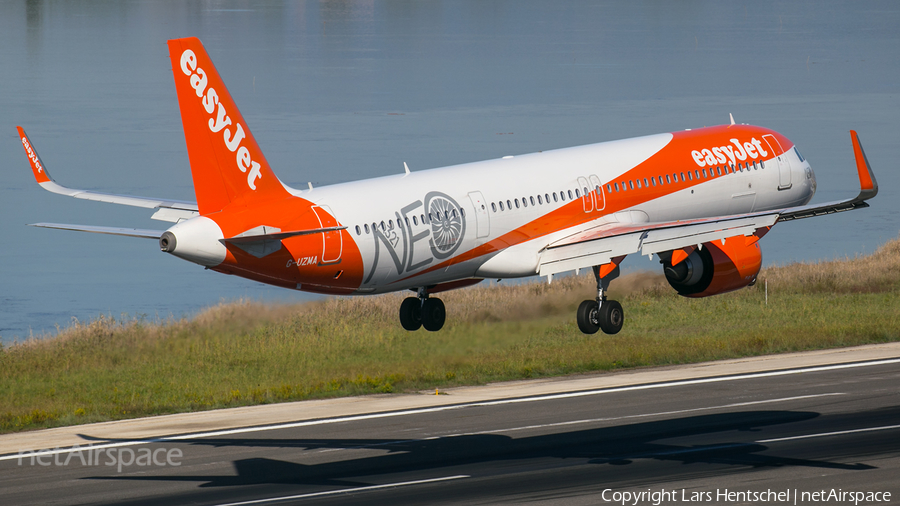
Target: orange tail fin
[226, 163]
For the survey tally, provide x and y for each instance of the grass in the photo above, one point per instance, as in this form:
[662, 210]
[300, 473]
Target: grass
[243, 353]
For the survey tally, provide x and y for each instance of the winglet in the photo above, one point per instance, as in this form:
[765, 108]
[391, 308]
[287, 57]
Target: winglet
[37, 167]
[868, 187]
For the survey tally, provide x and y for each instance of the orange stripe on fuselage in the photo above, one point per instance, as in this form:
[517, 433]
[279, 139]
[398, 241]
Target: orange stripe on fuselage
[676, 158]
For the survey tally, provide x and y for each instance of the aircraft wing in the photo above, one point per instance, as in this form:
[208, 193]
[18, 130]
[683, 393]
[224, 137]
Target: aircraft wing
[166, 209]
[601, 244]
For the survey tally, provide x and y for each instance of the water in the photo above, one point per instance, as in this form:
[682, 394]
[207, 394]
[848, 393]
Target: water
[336, 91]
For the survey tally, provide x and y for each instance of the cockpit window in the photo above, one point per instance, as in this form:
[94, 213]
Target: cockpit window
[798, 154]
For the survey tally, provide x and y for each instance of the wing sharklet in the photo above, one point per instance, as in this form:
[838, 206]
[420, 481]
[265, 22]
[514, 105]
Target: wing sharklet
[46, 181]
[868, 188]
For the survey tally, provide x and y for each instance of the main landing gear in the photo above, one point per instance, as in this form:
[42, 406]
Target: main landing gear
[601, 314]
[421, 311]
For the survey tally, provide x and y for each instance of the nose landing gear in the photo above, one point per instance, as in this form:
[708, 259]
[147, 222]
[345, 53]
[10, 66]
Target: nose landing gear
[422, 311]
[602, 313]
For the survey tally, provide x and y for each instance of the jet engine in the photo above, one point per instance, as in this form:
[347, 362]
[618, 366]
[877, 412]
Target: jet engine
[715, 267]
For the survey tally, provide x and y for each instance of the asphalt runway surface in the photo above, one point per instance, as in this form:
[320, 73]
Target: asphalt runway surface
[830, 428]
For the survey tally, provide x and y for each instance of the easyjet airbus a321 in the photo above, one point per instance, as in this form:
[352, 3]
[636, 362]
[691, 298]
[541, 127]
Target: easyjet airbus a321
[699, 199]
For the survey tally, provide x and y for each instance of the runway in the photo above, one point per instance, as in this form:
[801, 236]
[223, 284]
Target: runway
[793, 431]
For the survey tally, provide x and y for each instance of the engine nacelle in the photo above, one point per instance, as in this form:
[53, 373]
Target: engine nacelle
[716, 268]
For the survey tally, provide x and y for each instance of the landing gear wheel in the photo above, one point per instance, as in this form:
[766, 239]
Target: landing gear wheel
[411, 313]
[611, 316]
[433, 314]
[588, 317]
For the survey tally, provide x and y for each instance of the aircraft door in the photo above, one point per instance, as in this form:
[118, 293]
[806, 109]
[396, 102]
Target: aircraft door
[784, 166]
[597, 193]
[332, 242]
[586, 199]
[482, 219]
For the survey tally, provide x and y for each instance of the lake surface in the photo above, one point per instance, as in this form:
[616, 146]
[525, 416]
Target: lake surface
[342, 90]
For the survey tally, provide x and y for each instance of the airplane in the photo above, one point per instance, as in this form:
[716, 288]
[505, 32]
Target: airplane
[698, 199]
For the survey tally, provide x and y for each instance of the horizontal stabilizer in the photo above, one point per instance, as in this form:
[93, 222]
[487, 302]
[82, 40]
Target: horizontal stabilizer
[262, 241]
[277, 236]
[129, 232]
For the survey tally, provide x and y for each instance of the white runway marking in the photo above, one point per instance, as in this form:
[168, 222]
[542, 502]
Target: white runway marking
[645, 415]
[437, 409]
[346, 491]
[825, 434]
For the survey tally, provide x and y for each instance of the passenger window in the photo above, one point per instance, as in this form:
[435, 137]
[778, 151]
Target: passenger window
[422, 216]
[366, 226]
[639, 184]
[718, 170]
[532, 199]
[682, 176]
[390, 225]
[358, 231]
[494, 207]
[382, 226]
[501, 205]
[608, 187]
[653, 180]
[762, 164]
[668, 179]
[697, 174]
[689, 176]
[554, 197]
[524, 202]
[540, 201]
[517, 203]
[547, 198]
[509, 204]
[704, 173]
[577, 193]
[570, 194]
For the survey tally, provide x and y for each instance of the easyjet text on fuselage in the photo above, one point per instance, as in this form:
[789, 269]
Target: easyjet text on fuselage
[730, 153]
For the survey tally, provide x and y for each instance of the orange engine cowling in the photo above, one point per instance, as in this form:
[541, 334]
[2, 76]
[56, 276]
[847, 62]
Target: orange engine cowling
[716, 268]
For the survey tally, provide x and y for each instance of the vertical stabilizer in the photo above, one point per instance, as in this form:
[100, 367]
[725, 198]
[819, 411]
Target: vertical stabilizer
[226, 163]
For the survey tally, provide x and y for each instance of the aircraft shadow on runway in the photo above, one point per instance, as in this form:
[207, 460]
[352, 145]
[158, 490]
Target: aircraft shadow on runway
[617, 445]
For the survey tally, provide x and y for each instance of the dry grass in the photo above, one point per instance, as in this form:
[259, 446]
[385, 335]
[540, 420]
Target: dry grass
[243, 352]
[875, 273]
